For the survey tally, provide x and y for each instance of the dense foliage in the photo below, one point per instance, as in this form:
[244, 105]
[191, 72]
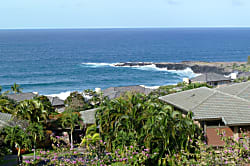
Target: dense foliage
[46, 104]
[234, 152]
[75, 102]
[17, 137]
[134, 129]
[7, 105]
[169, 89]
[242, 67]
[80, 102]
[136, 119]
[193, 86]
[70, 119]
[242, 79]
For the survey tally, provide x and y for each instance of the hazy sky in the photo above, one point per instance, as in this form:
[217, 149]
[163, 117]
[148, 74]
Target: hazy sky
[123, 13]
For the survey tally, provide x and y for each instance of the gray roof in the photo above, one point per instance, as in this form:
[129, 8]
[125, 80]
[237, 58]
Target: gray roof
[210, 77]
[55, 101]
[21, 96]
[241, 90]
[208, 103]
[9, 120]
[88, 116]
[5, 119]
[115, 92]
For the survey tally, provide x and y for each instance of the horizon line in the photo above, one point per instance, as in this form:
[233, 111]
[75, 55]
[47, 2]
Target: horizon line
[139, 27]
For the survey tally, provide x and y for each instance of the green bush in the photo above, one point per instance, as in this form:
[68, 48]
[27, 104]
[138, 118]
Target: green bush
[78, 103]
[137, 119]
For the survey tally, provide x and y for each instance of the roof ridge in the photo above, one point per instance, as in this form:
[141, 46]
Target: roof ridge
[217, 91]
[190, 90]
[234, 84]
[234, 96]
[243, 89]
[204, 99]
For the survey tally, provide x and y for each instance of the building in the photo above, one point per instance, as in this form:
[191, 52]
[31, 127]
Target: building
[88, 116]
[5, 120]
[212, 79]
[216, 109]
[22, 96]
[8, 120]
[241, 90]
[57, 103]
[115, 92]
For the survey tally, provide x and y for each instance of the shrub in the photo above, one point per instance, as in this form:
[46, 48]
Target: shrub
[137, 119]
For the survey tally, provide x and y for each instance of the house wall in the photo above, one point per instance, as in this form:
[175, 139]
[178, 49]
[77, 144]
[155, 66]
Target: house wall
[218, 83]
[212, 134]
[233, 131]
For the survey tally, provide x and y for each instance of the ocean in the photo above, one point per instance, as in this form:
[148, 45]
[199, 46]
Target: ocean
[54, 61]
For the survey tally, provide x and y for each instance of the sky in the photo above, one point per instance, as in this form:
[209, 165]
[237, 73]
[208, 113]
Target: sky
[22, 14]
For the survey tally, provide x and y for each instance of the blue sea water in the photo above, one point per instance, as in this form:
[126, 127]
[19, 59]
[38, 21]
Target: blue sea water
[55, 61]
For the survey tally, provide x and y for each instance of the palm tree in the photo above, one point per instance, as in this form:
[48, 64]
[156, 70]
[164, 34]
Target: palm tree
[17, 137]
[35, 130]
[91, 137]
[31, 110]
[71, 119]
[136, 118]
[16, 88]
[5, 106]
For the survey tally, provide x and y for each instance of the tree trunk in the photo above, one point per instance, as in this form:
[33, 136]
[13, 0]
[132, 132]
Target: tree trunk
[35, 148]
[34, 152]
[19, 162]
[71, 137]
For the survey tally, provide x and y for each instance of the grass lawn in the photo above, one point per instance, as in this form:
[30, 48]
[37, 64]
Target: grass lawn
[37, 152]
[5, 162]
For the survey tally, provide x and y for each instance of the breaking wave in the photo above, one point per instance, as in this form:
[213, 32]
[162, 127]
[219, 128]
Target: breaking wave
[62, 95]
[95, 65]
[188, 72]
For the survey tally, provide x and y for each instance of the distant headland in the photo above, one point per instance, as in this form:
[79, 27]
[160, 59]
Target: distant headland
[196, 66]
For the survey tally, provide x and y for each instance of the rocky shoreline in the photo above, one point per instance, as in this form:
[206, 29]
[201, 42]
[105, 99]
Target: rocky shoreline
[196, 66]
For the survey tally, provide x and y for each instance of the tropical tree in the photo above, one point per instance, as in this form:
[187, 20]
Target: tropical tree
[16, 88]
[46, 104]
[75, 102]
[5, 106]
[145, 121]
[194, 86]
[70, 119]
[32, 110]
[36, 132]
[92, 137]
[17, 137]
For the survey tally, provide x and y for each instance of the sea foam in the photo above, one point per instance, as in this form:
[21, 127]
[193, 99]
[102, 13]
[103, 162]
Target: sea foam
[95, 65]
[188, 72]
[62, 95]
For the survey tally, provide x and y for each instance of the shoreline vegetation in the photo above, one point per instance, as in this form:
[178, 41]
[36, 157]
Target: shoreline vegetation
[130, 129]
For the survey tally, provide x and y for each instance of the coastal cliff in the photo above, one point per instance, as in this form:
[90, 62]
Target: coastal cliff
[197, 67]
